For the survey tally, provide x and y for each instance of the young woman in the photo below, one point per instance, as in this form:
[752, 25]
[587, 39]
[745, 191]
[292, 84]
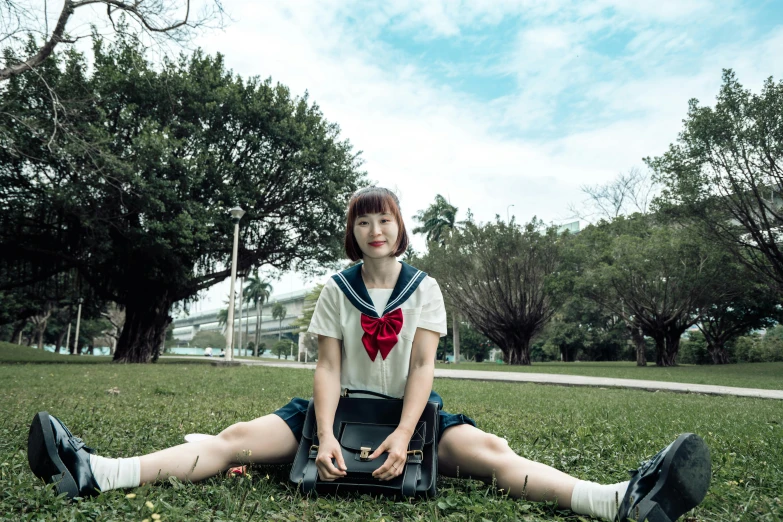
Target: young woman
[378, 325]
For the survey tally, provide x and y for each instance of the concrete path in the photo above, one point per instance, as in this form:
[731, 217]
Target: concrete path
[559, 379]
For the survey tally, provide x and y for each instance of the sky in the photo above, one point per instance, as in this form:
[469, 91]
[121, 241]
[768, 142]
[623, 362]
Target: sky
[505, 107]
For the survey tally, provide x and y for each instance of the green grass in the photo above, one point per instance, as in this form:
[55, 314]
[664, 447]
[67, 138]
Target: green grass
[588, 432]
[768, 376]
[15, 354]
[751, 375]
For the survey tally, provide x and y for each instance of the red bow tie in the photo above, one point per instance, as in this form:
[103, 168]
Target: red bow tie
[380, 335]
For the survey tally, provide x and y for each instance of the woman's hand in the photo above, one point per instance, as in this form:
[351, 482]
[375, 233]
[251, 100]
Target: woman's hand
[396, 445]
[329, 449]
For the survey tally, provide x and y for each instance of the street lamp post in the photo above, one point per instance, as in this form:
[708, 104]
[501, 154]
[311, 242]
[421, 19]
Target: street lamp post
[239, 344]
[78, 321]
[236, 215]
[508, 219]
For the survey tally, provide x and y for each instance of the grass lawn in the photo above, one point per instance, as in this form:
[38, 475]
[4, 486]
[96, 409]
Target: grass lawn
[590, 433]
[754, 375]
[748, 375]
[15, 354]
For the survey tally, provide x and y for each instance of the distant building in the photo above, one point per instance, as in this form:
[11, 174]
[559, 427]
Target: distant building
[572, 228]
[186, 326]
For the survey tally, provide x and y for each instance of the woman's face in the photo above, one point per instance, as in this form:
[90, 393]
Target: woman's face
[376, 234]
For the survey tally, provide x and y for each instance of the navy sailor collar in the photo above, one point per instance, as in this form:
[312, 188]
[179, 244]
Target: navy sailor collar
[351, 283]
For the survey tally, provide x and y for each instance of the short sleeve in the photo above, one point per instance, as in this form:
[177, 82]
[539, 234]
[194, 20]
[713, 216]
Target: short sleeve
[433, 312]
[326, 316]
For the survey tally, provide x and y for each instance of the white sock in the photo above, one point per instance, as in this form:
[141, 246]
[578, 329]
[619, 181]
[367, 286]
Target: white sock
[116, 473]
[597, 500]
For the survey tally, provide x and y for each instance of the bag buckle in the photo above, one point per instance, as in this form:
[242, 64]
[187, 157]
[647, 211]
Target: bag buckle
[365, 453]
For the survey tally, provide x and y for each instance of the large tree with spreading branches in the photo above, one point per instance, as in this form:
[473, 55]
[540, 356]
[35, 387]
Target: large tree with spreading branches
[726, 171]
[135, 199]
[496, 274]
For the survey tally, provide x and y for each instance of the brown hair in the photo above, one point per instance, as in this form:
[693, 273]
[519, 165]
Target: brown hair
[373, 200]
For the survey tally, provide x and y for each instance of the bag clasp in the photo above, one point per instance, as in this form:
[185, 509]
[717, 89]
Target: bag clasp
[365, 453]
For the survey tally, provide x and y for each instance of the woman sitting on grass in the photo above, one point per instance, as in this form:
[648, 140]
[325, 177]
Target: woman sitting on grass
[380, 294]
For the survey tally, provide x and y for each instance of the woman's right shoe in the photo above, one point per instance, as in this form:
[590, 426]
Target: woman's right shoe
[670, 484]
[59, 458]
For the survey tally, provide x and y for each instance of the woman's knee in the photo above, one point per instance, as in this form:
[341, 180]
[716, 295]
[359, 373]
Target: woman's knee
[236, 433]
[495, 445]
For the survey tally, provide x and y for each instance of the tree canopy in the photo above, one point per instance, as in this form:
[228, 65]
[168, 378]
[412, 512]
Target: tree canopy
[495, 274]
[135, 198]
[725, 171]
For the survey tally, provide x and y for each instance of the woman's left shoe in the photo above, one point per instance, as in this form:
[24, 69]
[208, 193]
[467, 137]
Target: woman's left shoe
[56, 456]
[670, 484]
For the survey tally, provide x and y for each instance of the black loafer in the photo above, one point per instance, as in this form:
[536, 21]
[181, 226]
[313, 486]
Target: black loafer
[670, 484]
[58, 457]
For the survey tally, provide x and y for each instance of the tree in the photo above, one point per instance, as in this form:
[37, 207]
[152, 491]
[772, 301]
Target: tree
[142, 216]
[257, 293]
[629, 193]
[278, 312]
[116, 317]
[657, 278]
[495, 274]
[474, 345]
[437, 221]
[172, 19]
[282, 347]
[725, 172]
[437, 224]
[582, 330]
[748, 306]
[205, 338]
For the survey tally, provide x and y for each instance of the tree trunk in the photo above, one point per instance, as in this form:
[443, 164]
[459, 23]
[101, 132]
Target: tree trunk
[518, 353]
[667, 346]
[641, 346]
[455, 333]
[41, 330]
[146, 320]
[16, 335]
[718, 353]
[59, 342]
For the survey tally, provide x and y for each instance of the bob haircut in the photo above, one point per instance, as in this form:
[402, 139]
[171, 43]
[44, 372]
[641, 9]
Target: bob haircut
[373, 200]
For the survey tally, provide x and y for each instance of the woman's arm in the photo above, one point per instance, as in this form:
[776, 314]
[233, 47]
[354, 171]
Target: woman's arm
[326, 394]
[417, 390]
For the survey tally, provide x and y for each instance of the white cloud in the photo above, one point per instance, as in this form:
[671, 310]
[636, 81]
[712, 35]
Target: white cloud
[424, 137]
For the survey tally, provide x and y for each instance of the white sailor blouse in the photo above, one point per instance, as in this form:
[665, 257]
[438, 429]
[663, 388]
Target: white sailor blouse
[376, 326]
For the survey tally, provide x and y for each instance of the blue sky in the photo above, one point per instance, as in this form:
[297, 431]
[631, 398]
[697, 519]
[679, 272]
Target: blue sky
[501, 104]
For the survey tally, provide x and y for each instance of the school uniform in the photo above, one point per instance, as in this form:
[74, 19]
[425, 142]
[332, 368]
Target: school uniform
[376, 329]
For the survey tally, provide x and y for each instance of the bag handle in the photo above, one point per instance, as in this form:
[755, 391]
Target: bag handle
[346, 392]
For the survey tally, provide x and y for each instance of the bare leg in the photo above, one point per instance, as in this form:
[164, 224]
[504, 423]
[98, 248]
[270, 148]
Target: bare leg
[470, 452]
[266, 440]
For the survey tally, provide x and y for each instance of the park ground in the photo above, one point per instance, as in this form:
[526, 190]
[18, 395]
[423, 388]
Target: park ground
[592, 433]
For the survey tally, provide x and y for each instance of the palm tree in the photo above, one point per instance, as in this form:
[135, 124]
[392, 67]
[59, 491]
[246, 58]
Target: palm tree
[257, 292]
[222, 317]
[278, 312]
[437, 221]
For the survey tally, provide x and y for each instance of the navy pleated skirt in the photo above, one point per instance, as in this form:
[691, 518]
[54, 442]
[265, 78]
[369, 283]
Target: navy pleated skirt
[295, 411]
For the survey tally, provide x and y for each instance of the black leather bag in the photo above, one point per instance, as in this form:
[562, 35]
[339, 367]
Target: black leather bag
[361, 424]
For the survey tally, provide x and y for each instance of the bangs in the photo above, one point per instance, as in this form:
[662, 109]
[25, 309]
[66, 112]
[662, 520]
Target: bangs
[373, 202]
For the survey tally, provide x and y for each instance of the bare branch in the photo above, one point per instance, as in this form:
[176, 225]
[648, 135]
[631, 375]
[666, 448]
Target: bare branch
[154, 18]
